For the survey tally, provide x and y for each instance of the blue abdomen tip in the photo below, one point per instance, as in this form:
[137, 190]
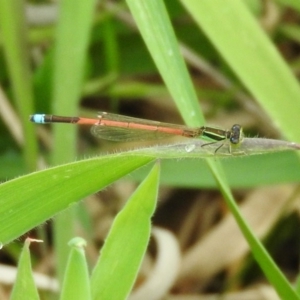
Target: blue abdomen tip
[38, 118]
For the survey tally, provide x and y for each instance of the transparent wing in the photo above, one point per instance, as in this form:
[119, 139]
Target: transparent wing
[115, 117]
[119, 134]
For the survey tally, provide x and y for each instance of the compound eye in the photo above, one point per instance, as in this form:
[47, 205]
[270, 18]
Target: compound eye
[235, 134]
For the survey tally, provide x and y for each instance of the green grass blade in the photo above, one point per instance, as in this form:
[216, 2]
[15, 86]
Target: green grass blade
[72, 38]
[70, 55]
[76, 285]
[156, 30]
[13, 35]
[254, 59]
[30, 200]
[125, 246]
[272, 272]
[25, 284]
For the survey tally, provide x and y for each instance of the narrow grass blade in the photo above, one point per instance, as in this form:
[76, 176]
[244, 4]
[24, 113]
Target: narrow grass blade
[76, 285]
[272, 272]
[25, 284]
[13, 35]
[251, 55]
[201, 149]
[156, 29]
[70, 55]
[125, 246]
